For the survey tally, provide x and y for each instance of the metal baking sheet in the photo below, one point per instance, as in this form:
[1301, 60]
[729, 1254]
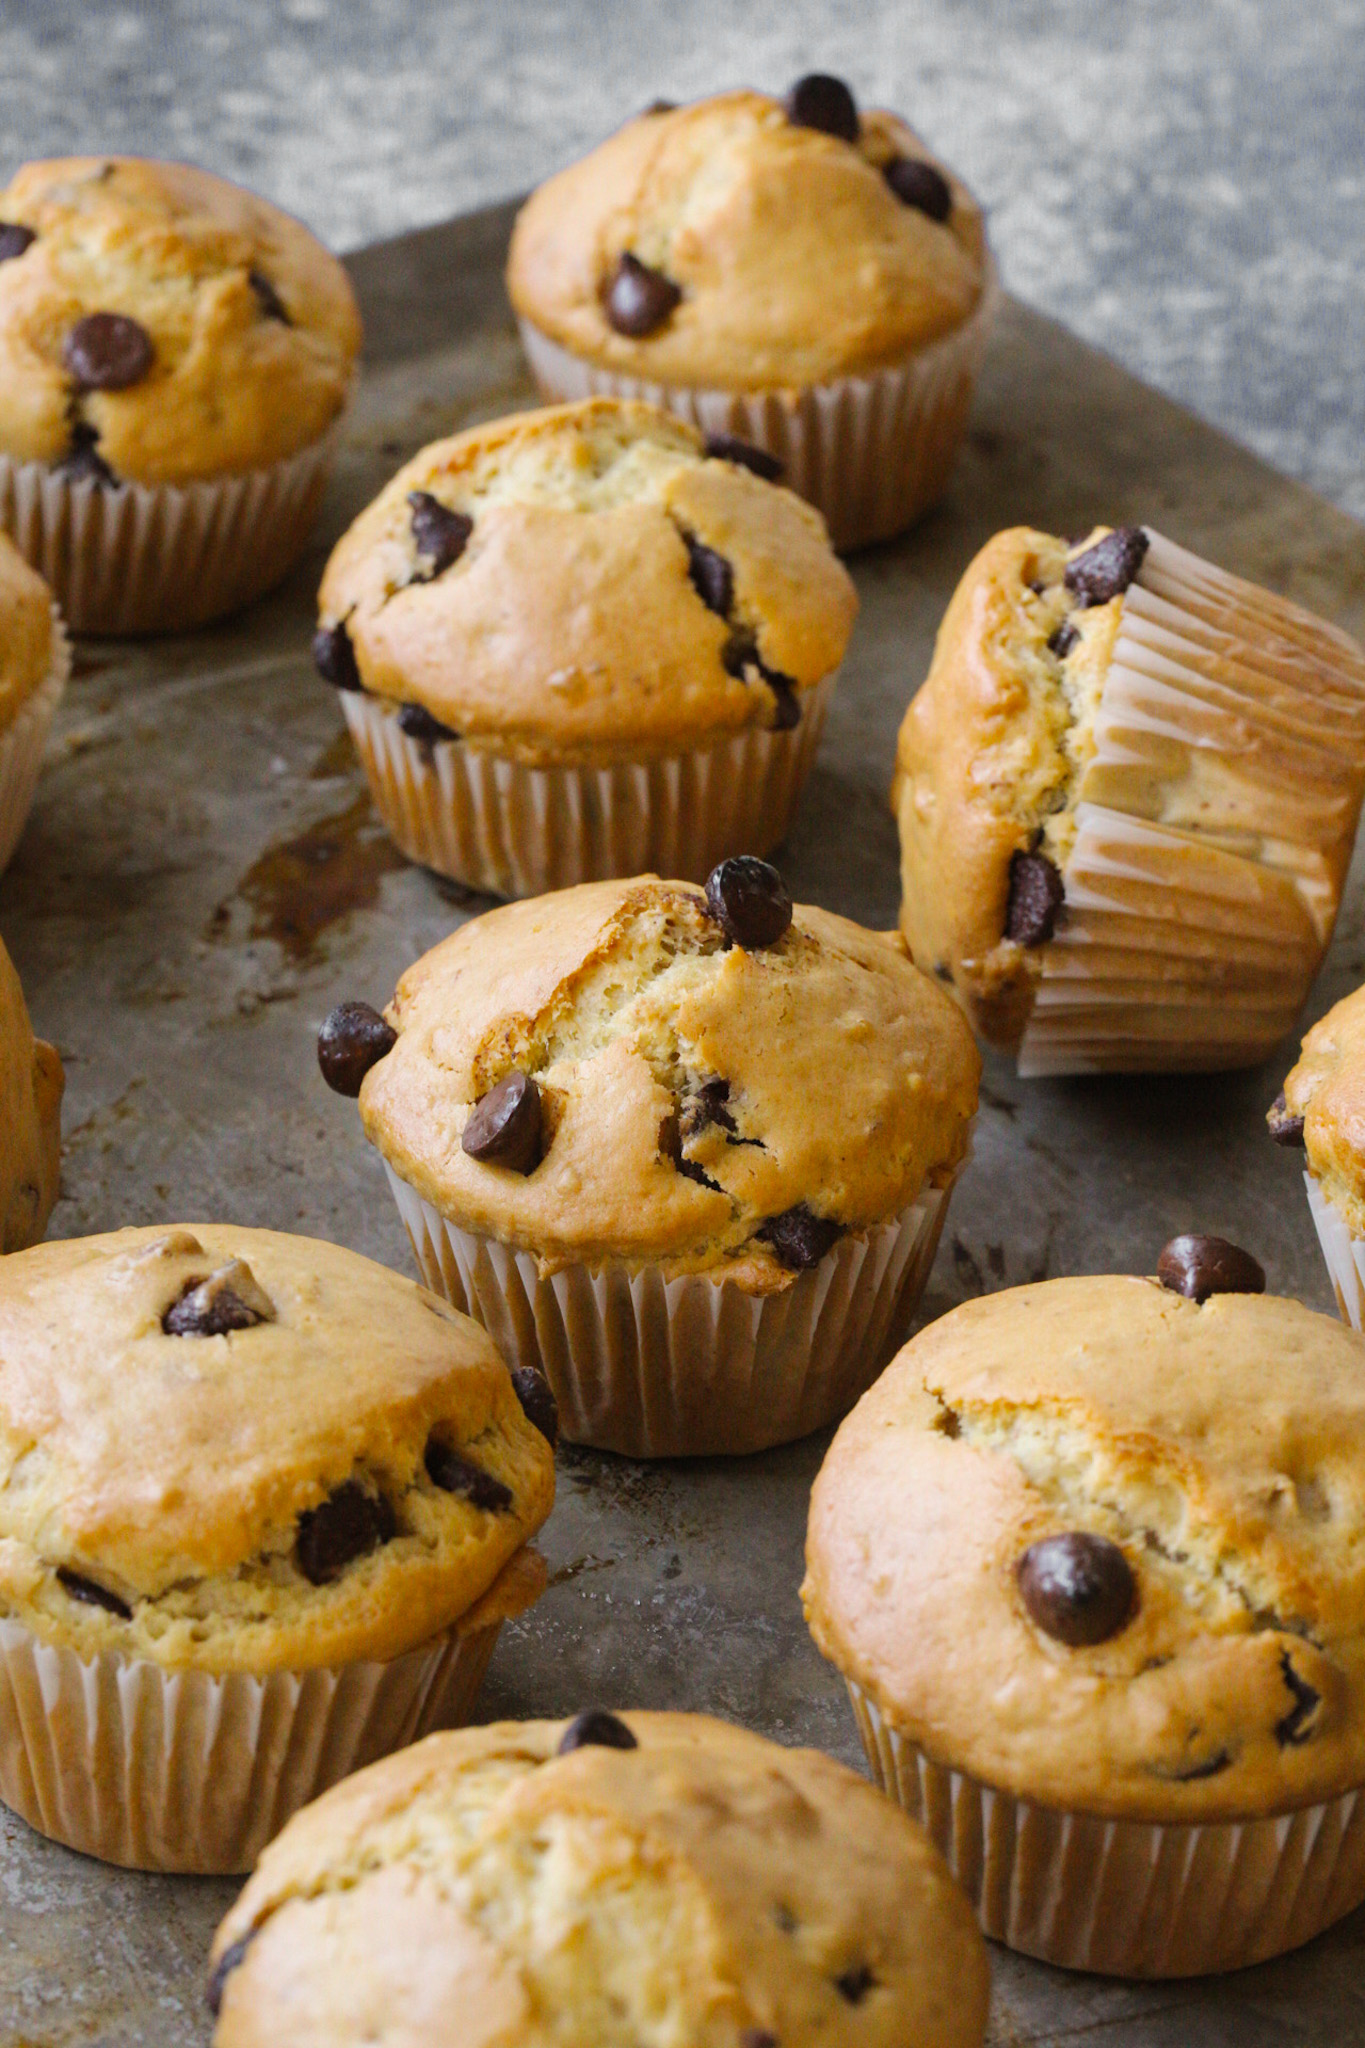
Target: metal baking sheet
[203, 878]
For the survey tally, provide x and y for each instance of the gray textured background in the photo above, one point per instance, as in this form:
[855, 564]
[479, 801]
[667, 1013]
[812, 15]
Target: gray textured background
[1181, 181]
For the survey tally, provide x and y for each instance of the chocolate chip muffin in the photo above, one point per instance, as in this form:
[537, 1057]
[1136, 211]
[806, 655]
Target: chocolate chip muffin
[1127, 797]
[1321, 1111]
[31, 1083]
[599, 1883]
[794, 272]
[1088, 1557]
[174, 354]
[262, 1498]
[35, 659]
[571, 644]
[689, 1153]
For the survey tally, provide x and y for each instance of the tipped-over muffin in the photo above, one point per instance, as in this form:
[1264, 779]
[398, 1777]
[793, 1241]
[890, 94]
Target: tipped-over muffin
[31, 1083]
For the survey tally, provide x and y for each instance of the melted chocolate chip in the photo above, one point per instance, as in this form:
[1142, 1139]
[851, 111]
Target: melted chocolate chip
[1078, 1587]
[1212, 1767]
[1035, 897]
[1200, 1266]
[800, 1239]
[14, 239]
[454, 1474]
[916, 183]
[1284, 1128]
[855, 1984]
[748, 900]
[596, 1729]
[353, 1038]
[197, 1314]
[107, 352]
[538, 1403]
[92, 1595]
[349, 1524]
[660, 107]
[639, 300]
[712, 577]
[84, 464]
[1062, 639]
[417, 722]
[819, 101]
[223, 1969]
[1293, 1729]
[438, 531]
[267, 298]
[504, 1125]
[1107, 569]
[786, 703]
[729, 448]
[707, 1106]
[334, 658]
[692, 1169]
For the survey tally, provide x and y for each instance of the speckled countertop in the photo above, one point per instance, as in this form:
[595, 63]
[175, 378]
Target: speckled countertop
[1181, 182]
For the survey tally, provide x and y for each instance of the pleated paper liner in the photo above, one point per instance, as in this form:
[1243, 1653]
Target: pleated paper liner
[688, 1367]
[190, 1771]
[1344, 1253]
[22, 742]
[1128, 1898]
[872, 453]
[511, 830]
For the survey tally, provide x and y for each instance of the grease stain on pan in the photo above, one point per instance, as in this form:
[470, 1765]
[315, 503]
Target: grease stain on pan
[300, 887]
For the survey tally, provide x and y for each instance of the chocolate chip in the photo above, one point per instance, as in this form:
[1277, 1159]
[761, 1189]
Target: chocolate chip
[1107, 569]
[855, 1984]
[786, 703]
[1200, 1266]
[504, 1124]
[334, 658]
[757, 2037]
[14, 239]
[660, 107]
[85, 1590]
[916, 183]
[199, 1314]
[454, 1474]
[712, 577]
[538, 1403]
[1035, 897]
[1062, 639]
[596, 1729]
[107, 352]
[353, 1038]
[1284, 1128]
[740, 653]
[268, 299]
[223, 1969]
[417, 722]
[707, 1106]
[748, 900]
[1293, 1729]
[692, 1169]
[349, 1524]
[1078, 1587]
[800, 1239]
[438, 531]
[639, 299]
[729, 448]
[83, 463]
[819, 101]
[1212, 1768]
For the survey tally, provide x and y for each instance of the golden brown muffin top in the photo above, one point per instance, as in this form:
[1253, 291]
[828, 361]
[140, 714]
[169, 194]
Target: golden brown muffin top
[28, 633]
[31, 1084]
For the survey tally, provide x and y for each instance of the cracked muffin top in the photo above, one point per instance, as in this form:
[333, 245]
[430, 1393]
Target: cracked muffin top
[724, 1095]
[1098, 1544]
[1323, 1107]
[631, 1882]
[585, 582]
[159, 325]
[31, 1083]
[28, 632]
[235, 1450]
[745, 244]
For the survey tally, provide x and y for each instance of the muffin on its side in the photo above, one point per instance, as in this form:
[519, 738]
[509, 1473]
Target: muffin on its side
[35, 660]
[1321, 1109]
[31, 1084]
[601, 1883]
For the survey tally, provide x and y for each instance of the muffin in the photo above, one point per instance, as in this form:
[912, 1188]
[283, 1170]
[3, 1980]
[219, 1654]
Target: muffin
[1321, 1109]
[601, 1883]
[790, 272]
[571, 645]
[31, 1083]
[1127, 797]
[174, 357]
[688, 1154]
[1088, 1556]
[265, 1507]
[35, 660]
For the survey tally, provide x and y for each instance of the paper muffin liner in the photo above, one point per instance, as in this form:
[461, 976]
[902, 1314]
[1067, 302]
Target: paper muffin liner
[1344, 1253]
[510, 830]
[143, 558]
[1178, 949]
[872, 453]
[192, 1771]
[688, 1367]
[22, 742]
[1127, 1898]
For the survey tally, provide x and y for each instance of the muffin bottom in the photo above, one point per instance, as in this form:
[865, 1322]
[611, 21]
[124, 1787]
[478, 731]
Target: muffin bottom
[1344, 1253]
[22, 743]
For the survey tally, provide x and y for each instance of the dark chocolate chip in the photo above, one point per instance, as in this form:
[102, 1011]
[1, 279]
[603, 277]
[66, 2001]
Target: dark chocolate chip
[1062, 639]
[334, 658]
[660, 107]
[596, 1729]
[1035, 898]
[692, 1169]
[757, 2037]
[454, 1474]
[14, 239]
[639, 299]
[193, 1317]
[740, 653]
[1107, 569]
[107, 352]
[1078, 1587]
[1284, 1128]
[267, 298]
[538, 1403]
[1213, 1767]
[86, 1590]
[729, 448]
[712, 577]
[1200, 1266]
[855, 1984]
[1293, 1729]
[819, 101]
[504, 1125]
[800, 1239]
[417, 722]
[786, 703]
[349, 1524]
[223, 1969]
[748, 900]
[438, 531]
[916, 183]
[84, 463]
[353, 1038]
[707, 1106]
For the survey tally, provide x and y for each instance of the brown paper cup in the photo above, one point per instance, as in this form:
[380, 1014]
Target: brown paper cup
[22, 742]
[511, 830]
[192, 1771]
[1128, 1898]
[1344, 1253]
[688, 1367]
[871, 453]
